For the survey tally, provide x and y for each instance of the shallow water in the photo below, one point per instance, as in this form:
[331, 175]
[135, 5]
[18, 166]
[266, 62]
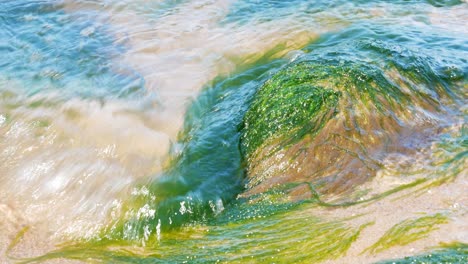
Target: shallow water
[135, 131]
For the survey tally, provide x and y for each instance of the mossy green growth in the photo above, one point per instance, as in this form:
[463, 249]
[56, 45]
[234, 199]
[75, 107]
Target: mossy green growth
[451, 253]
[407, 231]
[288, 237]
[299, 99]
[288, 103]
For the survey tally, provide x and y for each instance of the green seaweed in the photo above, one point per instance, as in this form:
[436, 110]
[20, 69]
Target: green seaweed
[407, 231]
[288, 103]
[382, 77]
[299, 99]
[346, 104]
[453, 253]
[285, 237]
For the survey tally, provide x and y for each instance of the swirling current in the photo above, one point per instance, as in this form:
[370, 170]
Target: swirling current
[233, 131]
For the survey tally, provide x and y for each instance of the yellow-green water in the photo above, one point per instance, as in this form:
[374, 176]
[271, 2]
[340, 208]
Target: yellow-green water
[233, 131]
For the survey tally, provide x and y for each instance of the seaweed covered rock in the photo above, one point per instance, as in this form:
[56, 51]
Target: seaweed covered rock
[290, 104]
[331, 120]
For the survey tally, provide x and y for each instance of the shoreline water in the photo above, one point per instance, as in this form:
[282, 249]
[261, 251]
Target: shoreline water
[79, 158]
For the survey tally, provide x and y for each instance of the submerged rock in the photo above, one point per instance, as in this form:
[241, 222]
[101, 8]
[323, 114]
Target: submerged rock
[324, 124]
[289, 105]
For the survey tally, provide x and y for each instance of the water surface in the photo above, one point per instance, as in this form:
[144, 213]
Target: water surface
[173, 131]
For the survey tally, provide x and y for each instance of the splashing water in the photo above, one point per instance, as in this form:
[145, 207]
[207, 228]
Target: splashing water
[233, 131]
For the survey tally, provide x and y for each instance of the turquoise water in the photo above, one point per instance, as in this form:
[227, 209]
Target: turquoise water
[233, 131]
[61, 51]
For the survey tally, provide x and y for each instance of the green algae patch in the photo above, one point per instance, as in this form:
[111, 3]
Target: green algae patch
[337, 115]
[450, 253]
[285, 237]
[289, 103]
[408, 231]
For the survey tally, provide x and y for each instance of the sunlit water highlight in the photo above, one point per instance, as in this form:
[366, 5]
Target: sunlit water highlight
[122, 123]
